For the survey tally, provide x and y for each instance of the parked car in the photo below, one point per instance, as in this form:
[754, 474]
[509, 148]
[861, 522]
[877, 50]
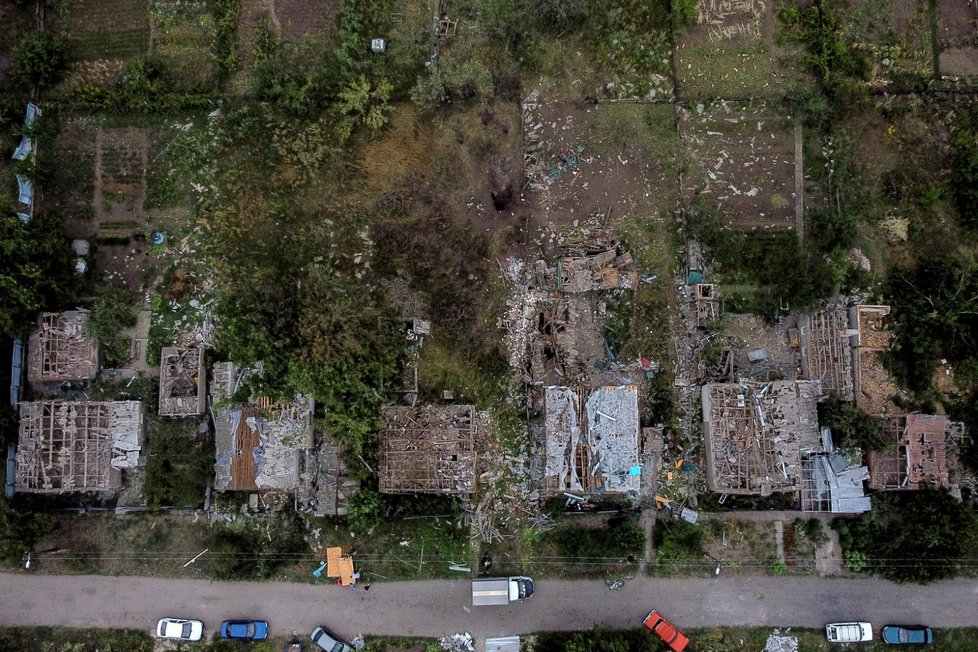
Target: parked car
[908, 635]
[329, 641]
[181, 629]
[854, 632]
[665, 630]
[245, 630]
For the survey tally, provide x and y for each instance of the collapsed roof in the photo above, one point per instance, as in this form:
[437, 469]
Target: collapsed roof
[591, 443]
[756, 433]
[68, 446]
[61, 348]
[259, 445]
[428, 449]
[182, 381]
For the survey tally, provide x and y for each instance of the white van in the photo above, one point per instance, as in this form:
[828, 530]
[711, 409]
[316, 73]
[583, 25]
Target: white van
[849, 632]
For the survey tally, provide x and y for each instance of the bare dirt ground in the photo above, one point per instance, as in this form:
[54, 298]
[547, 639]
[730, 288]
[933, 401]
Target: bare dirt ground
[743, 162]
[298, 18]
[590, 166]
[956, 19]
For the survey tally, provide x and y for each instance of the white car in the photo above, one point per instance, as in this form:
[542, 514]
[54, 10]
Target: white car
[856, 632]
[180, 629]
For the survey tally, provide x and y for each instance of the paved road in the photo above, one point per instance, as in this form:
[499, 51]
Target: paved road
[434, 608]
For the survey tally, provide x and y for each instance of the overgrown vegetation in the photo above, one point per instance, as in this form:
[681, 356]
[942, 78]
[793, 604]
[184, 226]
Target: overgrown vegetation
[851, 427]
[257, 548]
[678, 545]
[36, 270]
[21, 528]
[111, 314]
[620, 538]
[910, 536]
[180, 465]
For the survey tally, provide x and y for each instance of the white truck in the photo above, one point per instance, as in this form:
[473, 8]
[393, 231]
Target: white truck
[487, 591]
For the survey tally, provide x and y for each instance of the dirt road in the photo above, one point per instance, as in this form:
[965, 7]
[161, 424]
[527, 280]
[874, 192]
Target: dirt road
[435, 608]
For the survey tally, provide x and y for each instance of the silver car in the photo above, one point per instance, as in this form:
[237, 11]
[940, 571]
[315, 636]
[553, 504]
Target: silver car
[328, 641]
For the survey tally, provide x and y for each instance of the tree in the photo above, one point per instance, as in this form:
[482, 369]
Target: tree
[363, 104]
[851, 427]
[41, 60]
[911, 536]
[111, 314]
[36, 270]
[20, 531]
[933, 314]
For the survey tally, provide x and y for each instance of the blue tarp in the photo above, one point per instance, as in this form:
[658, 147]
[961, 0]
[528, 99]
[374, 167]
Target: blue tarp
[24, 217]
[25, 149]
[32, 112]
[16, 370]
[25, 189]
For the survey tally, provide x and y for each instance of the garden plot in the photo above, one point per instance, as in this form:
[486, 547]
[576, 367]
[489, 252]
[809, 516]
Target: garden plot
[731, 52]
[742, 159]
[182, 35]
[108, 29]
[120, 178]
[957, 34]
[72, 188]
[894, 35]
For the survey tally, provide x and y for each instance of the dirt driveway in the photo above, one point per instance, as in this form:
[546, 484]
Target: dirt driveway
[439, 607]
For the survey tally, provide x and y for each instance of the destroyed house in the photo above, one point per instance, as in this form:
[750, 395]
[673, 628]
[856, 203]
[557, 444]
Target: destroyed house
[918, 454]
[591, 442]
[66, 446]
[61, 349]
[182, 381]
[604, 269]
[873, 386]
[260, 445]
[756, 434]
[826, 355]
[428, 449]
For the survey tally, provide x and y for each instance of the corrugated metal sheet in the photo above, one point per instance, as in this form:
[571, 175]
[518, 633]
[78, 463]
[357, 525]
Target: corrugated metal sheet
[503, 644]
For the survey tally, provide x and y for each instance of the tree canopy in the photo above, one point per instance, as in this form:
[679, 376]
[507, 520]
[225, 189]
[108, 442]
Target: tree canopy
[36, 270]
[912, 536]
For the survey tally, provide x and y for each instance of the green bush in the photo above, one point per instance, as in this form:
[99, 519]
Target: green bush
[964, 176]
[622, 537]
[467, 83]
[366, 511]
[41, 60]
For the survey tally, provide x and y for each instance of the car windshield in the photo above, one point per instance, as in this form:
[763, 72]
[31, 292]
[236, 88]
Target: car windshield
[185, 631]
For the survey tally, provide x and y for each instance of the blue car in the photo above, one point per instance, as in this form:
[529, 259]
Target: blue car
[245, 630]
[908, 635]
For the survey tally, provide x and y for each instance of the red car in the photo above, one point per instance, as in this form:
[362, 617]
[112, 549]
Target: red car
[664, 630]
